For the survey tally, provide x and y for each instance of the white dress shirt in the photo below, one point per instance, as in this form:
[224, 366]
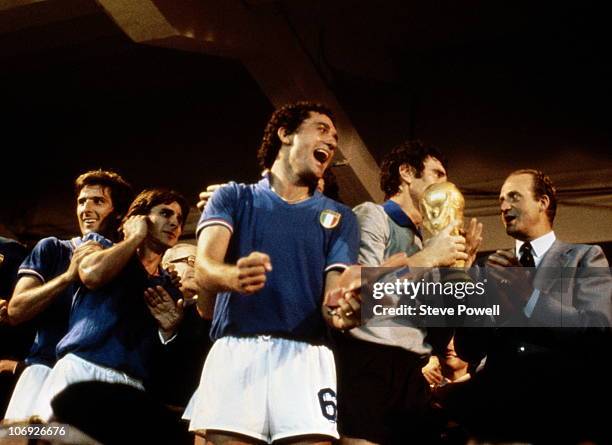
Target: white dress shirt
[539, 246]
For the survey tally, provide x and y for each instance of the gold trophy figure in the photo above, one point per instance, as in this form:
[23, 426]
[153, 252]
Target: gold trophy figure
[441, 205]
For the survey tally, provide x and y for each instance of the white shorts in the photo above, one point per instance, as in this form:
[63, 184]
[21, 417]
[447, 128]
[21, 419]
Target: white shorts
[72, 369]
[267, 388]
[187, 414]
[25, 395]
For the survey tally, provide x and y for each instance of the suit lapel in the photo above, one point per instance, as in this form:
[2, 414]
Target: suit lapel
[550, 269]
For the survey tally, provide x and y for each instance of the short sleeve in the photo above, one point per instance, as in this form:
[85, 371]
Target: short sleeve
[220, 209]
[374, 233]
[42, 261]
[344, 244]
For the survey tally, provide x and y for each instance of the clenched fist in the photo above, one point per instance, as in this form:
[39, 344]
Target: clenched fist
[77, 256]
[251, 272]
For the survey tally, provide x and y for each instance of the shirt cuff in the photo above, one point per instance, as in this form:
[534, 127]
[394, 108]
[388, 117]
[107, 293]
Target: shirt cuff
[533, 300]
[161, 337]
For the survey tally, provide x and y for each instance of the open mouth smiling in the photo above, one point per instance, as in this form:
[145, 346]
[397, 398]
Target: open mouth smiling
[321, 155]
[89, 221]
[509, 218]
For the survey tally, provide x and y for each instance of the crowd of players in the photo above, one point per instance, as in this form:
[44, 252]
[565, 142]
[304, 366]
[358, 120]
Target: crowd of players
[256, 336]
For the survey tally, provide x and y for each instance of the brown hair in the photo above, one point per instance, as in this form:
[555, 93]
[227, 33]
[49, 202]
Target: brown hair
[289, 117]
[147, 199]
[541, 185]
[120, 190]
[413, 153]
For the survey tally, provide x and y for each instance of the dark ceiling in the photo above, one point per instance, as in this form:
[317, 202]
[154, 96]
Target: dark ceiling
[160, 117]
[509, 83]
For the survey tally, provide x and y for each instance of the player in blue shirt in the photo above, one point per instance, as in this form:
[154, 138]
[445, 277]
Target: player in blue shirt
[269, 251]
[48, 278]
[112, 334]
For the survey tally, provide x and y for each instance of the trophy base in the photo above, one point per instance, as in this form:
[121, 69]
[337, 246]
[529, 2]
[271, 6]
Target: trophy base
[454, 275]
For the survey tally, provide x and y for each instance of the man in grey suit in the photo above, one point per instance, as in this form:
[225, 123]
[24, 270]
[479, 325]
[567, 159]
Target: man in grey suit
[547, 368]
[528, 207]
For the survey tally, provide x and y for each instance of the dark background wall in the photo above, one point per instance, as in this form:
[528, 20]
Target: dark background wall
[497, 86]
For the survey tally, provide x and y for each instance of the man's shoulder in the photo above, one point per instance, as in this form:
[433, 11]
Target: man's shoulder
[566, 248]
[369, 207]
[580, 252]
[234, 187]
[52, 242]
[98, 238]
[371, 214]
[239, 191]
[329, 204]
[228, 196]
[48, 258]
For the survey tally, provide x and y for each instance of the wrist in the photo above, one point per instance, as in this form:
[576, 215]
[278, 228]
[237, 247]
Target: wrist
[420, 259]
[139, 236]
[234, 280]
[68, 278]
[135, 239]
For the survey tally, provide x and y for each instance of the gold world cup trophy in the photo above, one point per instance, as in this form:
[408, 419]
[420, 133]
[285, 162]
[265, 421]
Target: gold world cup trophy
[441, 205]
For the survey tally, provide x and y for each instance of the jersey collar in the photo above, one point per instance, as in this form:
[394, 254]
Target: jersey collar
[264, 182]
[400, 218]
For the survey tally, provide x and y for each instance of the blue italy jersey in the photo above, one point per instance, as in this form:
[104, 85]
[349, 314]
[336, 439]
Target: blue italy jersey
[49, 259]
[304, 241]
[112, 326]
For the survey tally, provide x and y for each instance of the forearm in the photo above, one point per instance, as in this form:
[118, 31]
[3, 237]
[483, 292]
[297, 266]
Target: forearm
[206, 304]
[26, 304]
[100, 267]
[331, 282]
[213, 277]
[212, 274]
[420, 259]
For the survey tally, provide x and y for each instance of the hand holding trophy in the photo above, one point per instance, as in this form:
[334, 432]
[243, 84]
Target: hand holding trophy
[442, 210]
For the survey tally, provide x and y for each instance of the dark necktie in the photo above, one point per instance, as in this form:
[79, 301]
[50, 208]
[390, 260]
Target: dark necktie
[526, 259]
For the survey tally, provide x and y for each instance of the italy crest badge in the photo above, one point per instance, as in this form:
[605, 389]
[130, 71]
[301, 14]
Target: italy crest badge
[329, 219]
